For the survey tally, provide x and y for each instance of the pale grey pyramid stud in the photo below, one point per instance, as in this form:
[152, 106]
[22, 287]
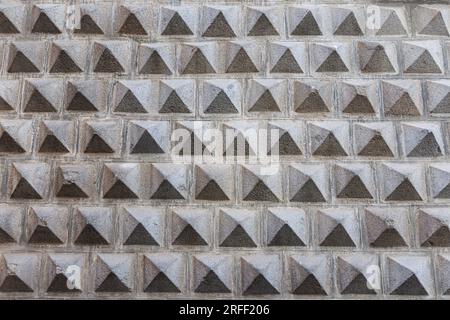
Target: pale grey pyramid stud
[402, 182]
[114, 272]
[422, 139]
[310, 274]
[47, 225]
[260, 274]
[212, 273]
[387, 227]
[309, 183]
[409, 274]
[423, 57]
[164, 273]
[238, 228]
[337, 227]
[402, 97]
[354, 272]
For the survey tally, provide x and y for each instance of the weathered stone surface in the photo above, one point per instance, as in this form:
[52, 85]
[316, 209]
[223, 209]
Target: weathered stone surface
[217, 149]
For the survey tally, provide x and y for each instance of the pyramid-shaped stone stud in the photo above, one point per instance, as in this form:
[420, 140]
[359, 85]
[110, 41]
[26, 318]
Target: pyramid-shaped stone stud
[168, 181]
[9, 97]
[238, 140]
[329, 138]
[409, 275]
[26, 57]
[111, 56]
[56, 136]
[375, 139]
[433, 227]
[212, 273]
[198, 58]
[178, 21]
[387, 227]
[304, 21]
[311, 97]
[75, 181]
[60, 269]
[256, 186]
[220, 21]
[377, 57]
[337, 227]
[432, 20]
[191, 227]
[12, 18]
[148, 137]
[402, 97]
[121, 181]
[310, 274]
[214, 182]
[114, 273]
[15, 136]
[422, 57]
[347, 21]
[332, 57]
[10, 224]
[308, 183]
[422, 139]
[143, 226]
[164, 272]
[403, 182]
[47, 18]
[133, 19]
[243, 57]
[193, 135]
[102, 137]
[19, 272]
[47, 225]
[438, 96]
[221, 96]
[85, 96]
[285, 138]
[287, 227]
[260, 274]
[267, 95]
[29, 180]
[177, 96]
[264, 21]
[392, 21]
[156, 58]
[238, 228]
[94, 19]
[440, 181]
[67, 57]
[133, 96]
[359, 97]
[443, 273]
[288, 57]
[354, 181]
[42, 95]
[92, 226]
[354, 271]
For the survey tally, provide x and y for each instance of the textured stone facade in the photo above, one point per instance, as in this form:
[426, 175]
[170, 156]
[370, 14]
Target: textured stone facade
[90, 187]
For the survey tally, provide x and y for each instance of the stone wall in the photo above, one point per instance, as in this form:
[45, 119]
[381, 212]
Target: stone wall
[95, 203]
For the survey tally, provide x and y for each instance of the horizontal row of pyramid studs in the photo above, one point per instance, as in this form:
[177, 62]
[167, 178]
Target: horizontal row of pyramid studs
[142, 19]
[250, 274]
[161, 139]
[226, 97]
[306, 227]
[212, 57]
[303, 182]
